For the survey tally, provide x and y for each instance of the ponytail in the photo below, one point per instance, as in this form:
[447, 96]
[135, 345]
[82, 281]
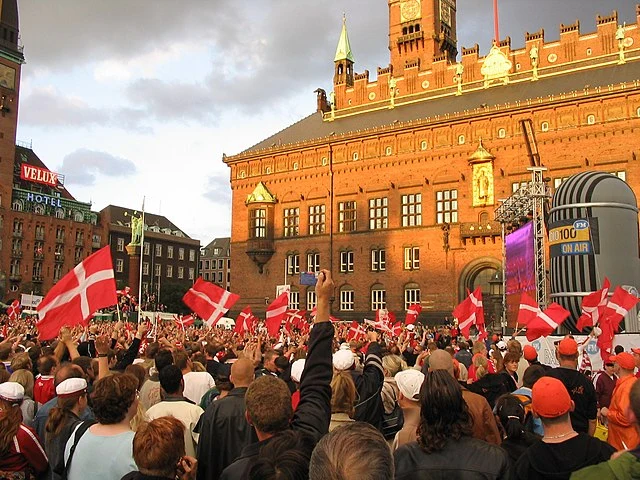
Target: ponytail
[60, 415]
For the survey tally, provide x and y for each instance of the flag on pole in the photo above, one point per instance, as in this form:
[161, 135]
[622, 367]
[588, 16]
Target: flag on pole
[412, 314]
[75, 298]
[593, 306]
[185, 321]
[276, 313]
[14, 310]
[245, 322]
[470, 312]
[356, 332]
[209, 301]
[546, 322]
[529, 309]
[617, 308]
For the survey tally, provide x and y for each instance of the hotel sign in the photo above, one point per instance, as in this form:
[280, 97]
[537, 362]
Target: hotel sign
[39, 175]
[44, 199]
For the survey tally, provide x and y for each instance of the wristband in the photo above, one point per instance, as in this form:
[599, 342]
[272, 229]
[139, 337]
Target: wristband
[103, 355]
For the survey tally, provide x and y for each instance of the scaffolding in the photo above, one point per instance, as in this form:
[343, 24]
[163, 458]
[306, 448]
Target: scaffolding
[527, 204]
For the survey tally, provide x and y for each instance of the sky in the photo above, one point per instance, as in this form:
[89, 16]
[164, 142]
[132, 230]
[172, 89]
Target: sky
[140, 98]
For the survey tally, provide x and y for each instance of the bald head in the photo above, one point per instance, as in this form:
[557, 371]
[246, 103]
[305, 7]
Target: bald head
[67, 371]
[242, 372]
[441, 360]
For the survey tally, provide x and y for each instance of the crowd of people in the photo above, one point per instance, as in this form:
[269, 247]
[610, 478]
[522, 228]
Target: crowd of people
[122, 401]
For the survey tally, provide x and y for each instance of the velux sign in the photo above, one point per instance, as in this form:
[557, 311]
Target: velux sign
[39, 175]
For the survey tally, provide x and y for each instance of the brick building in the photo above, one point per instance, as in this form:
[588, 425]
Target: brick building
[215, 262]
[393, 181]
[44, 230]
[169, 256]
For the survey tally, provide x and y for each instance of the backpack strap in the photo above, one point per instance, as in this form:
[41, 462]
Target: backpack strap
[77, 435]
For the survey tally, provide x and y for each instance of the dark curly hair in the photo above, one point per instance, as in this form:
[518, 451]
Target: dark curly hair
[444, 414]
[113, 396]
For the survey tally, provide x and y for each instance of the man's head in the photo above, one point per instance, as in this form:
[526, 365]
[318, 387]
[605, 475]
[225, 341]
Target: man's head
[636, 356]
[269, 360]
[171, 380]
[409, 384]
[568, 352]
[182, 361]
[441, 360]
[47, 365]
[356, 450]
[86, 364]
[268, 403]
[5, 351]
[242, 373]
[624, 364]
[66, 371]
[550, 401]
[530, 353]
[163, 358]
[618, 349]
[158, 446]
[531, 375]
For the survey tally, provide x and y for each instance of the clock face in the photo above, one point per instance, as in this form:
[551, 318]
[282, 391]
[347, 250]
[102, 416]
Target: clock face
[409, 10]
[445, 13]
[7, 77]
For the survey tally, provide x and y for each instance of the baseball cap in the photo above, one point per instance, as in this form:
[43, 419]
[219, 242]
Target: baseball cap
[409, 383]
[568, 346]
[11, 392]
[343, 359]
[636, 350]
[71, 386]
[502, 346]
[550, 398]
[530, 353]
[625, 360]
[296, 370]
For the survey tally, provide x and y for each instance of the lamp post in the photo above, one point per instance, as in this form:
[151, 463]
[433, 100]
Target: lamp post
[495, 290]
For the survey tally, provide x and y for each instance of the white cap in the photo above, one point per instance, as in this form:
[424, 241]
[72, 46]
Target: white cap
[502, 346]
[71, 386]
[343, 359]
[345, 346]
[409, 383]
[296, 370]
[11, 392]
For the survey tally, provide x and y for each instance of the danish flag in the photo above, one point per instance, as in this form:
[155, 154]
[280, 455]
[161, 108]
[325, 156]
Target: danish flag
[209, 301]
[245, 322]
[412, 314]
[593, 306]
[470, 312]
[617, 308]
[125, 291]
[540, 323]
[184, 321]
[276, 313]
[73, 300]
[14, 310]
[355, 331]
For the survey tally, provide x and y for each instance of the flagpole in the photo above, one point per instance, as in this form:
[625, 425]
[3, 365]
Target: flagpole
[118, 309]
[141, 263]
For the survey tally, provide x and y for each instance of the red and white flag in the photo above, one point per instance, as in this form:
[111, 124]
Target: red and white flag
[14, 310]
[356, 331]
[545, 322]
[245, 322]
[528, 310]
[276, 313]
[593, 306]
[617, 308]
[412, 314]
[470, 312]
[75, 298]
[185, 321]
[209, 301]
[125, 291]
[396, 330]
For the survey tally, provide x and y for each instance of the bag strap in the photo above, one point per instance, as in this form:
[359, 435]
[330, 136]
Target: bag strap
[77, 435]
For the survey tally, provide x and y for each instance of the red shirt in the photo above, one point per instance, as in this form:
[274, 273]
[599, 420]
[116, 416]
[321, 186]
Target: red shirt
[25, 452]
[44, 389]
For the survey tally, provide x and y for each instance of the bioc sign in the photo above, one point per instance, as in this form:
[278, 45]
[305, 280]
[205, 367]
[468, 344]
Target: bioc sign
[38, 175]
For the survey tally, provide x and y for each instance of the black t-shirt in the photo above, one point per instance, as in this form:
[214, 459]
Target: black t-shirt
[556, 461]
[582, 393]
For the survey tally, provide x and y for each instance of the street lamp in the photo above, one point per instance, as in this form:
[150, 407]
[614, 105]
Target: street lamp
[496, 290]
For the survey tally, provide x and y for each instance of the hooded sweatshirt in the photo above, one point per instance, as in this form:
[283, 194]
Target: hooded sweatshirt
[556, 461]
[624, 467]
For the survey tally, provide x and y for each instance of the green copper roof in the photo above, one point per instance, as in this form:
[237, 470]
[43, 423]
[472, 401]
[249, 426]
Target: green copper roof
[343, 52]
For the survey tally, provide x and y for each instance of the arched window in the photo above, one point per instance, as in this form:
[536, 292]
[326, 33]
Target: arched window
[78, 217]
[411, 295]
[38, 209]
[17, 205]
[60, 213]
[378, 297]
[484, 218]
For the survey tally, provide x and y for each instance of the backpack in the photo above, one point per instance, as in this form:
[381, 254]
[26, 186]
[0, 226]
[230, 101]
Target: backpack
[392, 422]
[525, 401]
[78, 432]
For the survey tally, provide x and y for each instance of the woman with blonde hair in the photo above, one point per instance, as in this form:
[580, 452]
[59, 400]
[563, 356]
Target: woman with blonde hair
[20, 450]
[391, 365]
[25, 378]
[343, 399]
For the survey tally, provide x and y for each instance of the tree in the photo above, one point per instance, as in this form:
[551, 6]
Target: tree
[171, 297]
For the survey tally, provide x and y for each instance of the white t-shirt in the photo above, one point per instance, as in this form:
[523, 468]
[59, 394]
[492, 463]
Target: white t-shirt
[187, 413]
[196, 384]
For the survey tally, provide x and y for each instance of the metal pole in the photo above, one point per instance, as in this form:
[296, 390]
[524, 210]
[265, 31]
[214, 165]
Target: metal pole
[141, 263]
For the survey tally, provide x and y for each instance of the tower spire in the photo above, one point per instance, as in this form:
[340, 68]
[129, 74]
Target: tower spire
[343, 52]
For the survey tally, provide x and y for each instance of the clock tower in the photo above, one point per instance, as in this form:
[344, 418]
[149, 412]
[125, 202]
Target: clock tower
[421, 30]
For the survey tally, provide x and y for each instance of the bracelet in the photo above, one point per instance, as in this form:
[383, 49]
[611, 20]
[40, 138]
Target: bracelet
[103, 355]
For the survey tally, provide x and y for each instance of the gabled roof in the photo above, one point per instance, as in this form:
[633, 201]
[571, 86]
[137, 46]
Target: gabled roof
[116, 216]
[26, 155]
[261, 194]
[223, 244]
[314, 128]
